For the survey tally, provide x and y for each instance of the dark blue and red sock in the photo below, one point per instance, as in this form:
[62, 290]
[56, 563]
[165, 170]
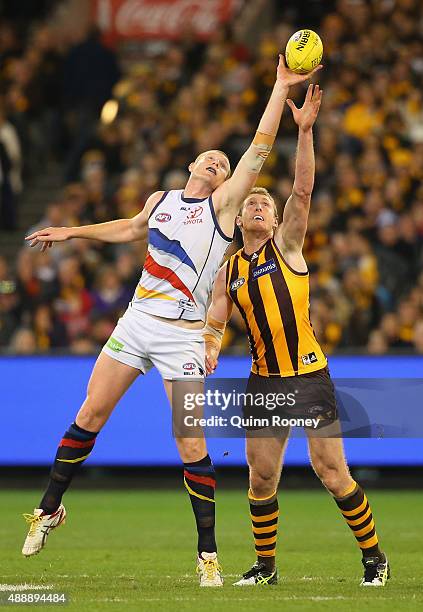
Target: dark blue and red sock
[200, 482]
[74, 449]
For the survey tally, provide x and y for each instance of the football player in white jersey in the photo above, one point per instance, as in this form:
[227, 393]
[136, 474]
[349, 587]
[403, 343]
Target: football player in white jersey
[187, 233]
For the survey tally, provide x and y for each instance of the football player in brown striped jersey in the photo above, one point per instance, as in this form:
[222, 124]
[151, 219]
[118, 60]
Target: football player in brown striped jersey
[268, 281]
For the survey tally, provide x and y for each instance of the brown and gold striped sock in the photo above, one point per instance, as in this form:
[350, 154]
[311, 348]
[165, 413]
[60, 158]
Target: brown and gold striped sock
[264, 515]
[358, 515]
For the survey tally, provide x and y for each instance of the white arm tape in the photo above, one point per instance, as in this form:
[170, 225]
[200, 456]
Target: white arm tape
[214, 330]
[255, 156]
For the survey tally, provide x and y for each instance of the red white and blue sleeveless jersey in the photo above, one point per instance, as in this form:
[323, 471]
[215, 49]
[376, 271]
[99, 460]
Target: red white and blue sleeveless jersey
[185, 249]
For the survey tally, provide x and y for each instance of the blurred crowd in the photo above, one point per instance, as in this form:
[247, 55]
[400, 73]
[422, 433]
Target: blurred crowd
[364, 244]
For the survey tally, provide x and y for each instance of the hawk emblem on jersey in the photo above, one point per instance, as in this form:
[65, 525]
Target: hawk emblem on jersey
[163, 217]
[266, 268]
[236, 284]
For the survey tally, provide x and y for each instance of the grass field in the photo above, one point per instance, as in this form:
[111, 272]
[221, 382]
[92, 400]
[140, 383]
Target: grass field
[135, 551]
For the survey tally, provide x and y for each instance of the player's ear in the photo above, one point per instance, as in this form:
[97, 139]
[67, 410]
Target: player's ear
[238, 220]
[191, 166]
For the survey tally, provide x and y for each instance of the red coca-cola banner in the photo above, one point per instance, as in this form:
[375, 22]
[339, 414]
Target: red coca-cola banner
[123, 19]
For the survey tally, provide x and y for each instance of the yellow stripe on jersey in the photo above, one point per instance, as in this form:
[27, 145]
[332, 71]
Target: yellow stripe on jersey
[253, 332]
[274, 318]
[273, 300]
[142, 292]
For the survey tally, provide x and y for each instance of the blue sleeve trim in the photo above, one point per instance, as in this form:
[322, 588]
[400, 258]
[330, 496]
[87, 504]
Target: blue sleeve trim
[158, 203]
[216, 222]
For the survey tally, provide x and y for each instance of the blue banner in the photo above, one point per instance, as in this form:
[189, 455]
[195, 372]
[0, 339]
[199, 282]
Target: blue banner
[41, 396]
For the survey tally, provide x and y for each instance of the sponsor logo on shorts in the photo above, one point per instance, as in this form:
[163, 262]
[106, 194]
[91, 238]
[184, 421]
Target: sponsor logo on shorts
[266, 268]
[186, 304]
[189, 366]
[163, 217]
[194, 215]
[236, 284]
[190, 369]
[309, 359]
[114, 344]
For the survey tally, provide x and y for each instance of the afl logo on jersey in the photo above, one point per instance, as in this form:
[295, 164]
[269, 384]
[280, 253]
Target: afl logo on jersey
[236, 284]
[194, 215]
[163, 217]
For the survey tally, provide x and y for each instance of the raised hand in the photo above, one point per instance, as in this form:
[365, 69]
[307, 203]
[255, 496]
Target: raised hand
[305, 116]
[287, 78]
[47, 236]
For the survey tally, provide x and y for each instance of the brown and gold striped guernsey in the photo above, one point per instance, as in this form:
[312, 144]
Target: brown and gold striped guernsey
[273, 300]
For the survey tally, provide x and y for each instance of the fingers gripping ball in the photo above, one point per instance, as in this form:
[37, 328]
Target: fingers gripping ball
[304, 51]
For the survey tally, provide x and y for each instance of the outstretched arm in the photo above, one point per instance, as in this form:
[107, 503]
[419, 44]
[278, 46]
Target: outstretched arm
[217, 316]
[231, 194]
[121, 230]
[291, 232]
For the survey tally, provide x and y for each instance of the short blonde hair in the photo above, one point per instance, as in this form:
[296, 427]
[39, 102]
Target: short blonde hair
[260, 191]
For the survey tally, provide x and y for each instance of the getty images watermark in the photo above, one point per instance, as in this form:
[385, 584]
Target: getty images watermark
[354, 408]
[218, 400]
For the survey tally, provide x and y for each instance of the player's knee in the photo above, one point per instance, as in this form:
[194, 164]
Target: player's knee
[191, 449]
[332, 476]
[263, 482]
[93, 414]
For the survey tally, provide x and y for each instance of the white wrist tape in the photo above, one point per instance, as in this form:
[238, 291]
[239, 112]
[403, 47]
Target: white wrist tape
[213, 331]
[257, 153]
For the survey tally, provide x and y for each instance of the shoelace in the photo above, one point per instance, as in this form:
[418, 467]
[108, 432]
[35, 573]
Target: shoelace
[260, 579]
[33, 520]
[211, 566]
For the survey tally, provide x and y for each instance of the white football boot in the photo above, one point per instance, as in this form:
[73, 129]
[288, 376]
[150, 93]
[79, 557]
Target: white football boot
[209, 570]
[40, 526]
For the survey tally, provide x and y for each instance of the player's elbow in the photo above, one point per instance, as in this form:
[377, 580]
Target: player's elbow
[135, 231]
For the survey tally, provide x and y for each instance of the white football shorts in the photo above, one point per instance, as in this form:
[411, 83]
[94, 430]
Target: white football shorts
[142, 341]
